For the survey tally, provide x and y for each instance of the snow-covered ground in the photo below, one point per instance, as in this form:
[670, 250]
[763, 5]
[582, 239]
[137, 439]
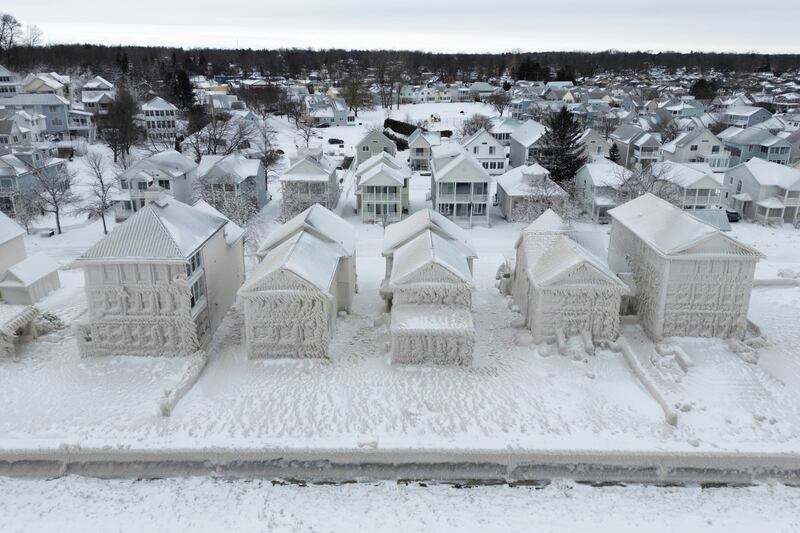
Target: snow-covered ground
[513, 399]
[206, 504]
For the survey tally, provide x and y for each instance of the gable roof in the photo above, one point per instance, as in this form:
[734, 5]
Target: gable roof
[528, 133]
[426, 249]
[158, 104]
[383, 158]
[768, 173]
[564, 255]
[307, 169]
[605, 173]
[233, 165]
[389, 175]
[399, 233]
[480, 136]
[303, 254]
[667, 228]
[325, 224]
[162, 230]
[9, 229]
[442, 167]
[686, 176]
[29, 271]
[532, 180]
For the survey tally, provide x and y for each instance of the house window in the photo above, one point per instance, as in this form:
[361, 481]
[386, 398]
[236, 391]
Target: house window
[474, 149]
[491, 150]
[198, 291]
[195, 263]
[165, 184]
[739, 187]
[715, 149]
[365, 148]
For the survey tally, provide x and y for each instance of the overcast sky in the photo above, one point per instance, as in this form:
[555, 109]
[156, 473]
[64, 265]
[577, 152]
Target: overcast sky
[433, 25]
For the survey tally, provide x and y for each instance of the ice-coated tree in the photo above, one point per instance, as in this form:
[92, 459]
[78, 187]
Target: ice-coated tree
[54, 187]
[654, 179]
[237, 203]
[223, 135]
[102, 187]
[560, 151]
[27, 207]
[613, 153]
[305, 133]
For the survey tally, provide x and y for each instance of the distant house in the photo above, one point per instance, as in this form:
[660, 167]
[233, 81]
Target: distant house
[690, 281]
[373, 144]
[170, 171]
[489, 152]
[692, 185]
[459, 186]
[480, 90]
[397, 235]
[524, 193]
[232, 180]
[747, 143]
[322, 110]
[46, 83]
[431, 318]
[382, 189]
[29, 280]
[595, 145]
[419, 148]
[597, 186]
[309, 180]
[523, 142]
[159, 120]
[744, 116]
[764, 191]
[9, 83]
[98, 102]
[60, 119]
[562, 284]
[502, 128]
[19, 169]
[306, 276]
[636, 147]
[161, 282]
[699, 145]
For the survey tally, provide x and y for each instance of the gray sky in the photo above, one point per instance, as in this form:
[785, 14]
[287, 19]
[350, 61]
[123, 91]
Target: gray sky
[434, 25]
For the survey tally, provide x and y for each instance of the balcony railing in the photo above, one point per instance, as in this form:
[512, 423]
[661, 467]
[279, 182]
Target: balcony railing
[464, 198]
[372, 197]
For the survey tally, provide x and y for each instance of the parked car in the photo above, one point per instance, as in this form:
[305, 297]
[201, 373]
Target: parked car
[733, 216]
[334, 140]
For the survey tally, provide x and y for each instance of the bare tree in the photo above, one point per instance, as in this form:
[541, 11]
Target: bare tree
[357, 95]
[27, 207]
[606, 124]
[33, 36]
[118, 127]
[473, 124]
[102, 187]
[653, 179]
[54, 186]
[500, 101]
[222, 136]
[305, 133]
[237, 201]
[10, 32]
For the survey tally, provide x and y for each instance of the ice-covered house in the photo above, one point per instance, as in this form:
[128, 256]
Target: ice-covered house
[764, 191]
[309, 180]
[419, 148]
[431, 319]
[597, 185]
[373, 144]
[691, 280]
[29, 280]
[306, 276]
[382, 189]
[562, 283]
[699, 145]
[524, 193]
[161, 282]
[401, 233]
[487, 150]
[523, 143]
[170, 171]
[459, 185]
[159, 120]
[231, 180]
[12, 243]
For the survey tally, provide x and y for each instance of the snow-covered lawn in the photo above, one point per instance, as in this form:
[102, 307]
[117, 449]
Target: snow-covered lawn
[214, 505]
[513, 398]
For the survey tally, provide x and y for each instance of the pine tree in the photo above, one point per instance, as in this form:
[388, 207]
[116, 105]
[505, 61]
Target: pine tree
[613, 153]
[182, 90]
[561, 153]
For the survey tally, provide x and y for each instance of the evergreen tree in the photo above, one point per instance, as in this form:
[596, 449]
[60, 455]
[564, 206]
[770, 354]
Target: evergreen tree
[613, 153]
[182, 90]
[561, 153]
[702, 89]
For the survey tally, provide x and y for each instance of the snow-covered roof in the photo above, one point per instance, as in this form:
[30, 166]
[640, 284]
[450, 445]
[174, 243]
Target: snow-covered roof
[442, 167]
[768, 173]
[233, 232]
[303, 254]
[564, 255]
[382, 175]
[383, 158]
[234, 166]
[307, 169]
[531, 180]
[434, 138]
[158, 104]
[686, 175]
[427, 249]
[528, 133]
[9, 229]
[399, 233]
[162, 230]
[29, 271]
[605, 173]
[318, 220]
[667, 228]
[482, 136]
[549, 221]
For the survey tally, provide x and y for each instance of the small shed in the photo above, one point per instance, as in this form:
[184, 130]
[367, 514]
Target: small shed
[30, 280]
